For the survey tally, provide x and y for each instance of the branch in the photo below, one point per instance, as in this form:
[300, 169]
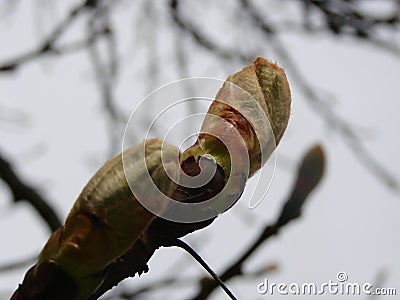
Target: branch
[113, 236]
[309, 174]
[105, 70]
[181, 244]
[291, 26]
[48, 45]
[333, 120]
[344, 17]
[22, 191]
[201, 39]
[179, 282]
[164, 283]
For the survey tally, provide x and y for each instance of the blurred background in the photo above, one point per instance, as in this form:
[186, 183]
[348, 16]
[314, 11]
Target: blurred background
[71, 73]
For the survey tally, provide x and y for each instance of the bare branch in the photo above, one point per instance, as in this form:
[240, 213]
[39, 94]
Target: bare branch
[308, 177]
[48, 46]
[106, 70]
[201, 39]
[176, 281]
[21, 191]
[344, 17]
[332, 119]
[199, 259]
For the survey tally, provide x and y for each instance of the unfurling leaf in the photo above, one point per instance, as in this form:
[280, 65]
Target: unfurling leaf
[256, 101]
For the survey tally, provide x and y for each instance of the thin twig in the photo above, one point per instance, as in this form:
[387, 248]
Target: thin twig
[309, 175]
[345, 130]
[181, 244]
[333, 120]
[48, 45]
[164, 283]
[106, 70]
[201, 39]
[176, 281]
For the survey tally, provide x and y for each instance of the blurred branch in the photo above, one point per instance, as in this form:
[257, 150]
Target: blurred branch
[18, 264]
[346, 17]
[217, 280]
[332, 119]
[150, 41]
[183, 69]
[378, 282]
[385, 45]
[175, 281]
[22, 191]
[295, 27]
[80, 44]
[7, 8]
[106, 69]
[48, 46]
[164, 283]
[13, 116]
[309, 175]
[201, 39]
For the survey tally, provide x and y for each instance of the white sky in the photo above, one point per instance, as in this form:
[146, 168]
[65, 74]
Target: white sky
[350, 223]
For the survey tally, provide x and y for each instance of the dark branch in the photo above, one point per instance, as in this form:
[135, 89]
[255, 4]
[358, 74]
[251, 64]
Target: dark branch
[309, 174]
[344, 17]
[201, 38]
[346, 131]
[48, 46]
[176, 281]
[333, 120]
[105, 68]
[181, 244]
[21, 191]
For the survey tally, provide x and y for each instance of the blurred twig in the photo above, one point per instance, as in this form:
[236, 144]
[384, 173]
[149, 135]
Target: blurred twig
[308, 177]
[378, 283]
[7, 8]
[332, 119]
[345, 17]
[48, 46]
[176, 281]
[199, 259]
[21, 191]
[106, 69]
[201, 39]
[164, 283]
